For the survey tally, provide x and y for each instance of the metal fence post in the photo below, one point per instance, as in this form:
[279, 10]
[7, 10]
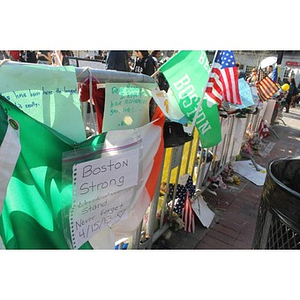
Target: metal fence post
[153, 207]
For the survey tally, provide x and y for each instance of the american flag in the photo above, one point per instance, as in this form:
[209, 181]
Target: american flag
[181, 193]
[188, 215]
[265, 86]
[223, 81]
[263, 130]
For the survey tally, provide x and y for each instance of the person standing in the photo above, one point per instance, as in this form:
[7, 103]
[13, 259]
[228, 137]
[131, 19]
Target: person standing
[60, 57]
[4, 55]
[14, 55]
[44, 57]
[253, 77]
[28, 56]
[118, 61]
[156, 54]
[270, 69]
[291, 94]
[145, 63]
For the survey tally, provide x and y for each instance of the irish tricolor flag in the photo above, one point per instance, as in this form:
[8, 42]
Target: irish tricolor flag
[41, 205]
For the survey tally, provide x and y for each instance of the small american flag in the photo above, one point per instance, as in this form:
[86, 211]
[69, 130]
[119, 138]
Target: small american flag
[188, 215]
[263, 130]
[223, 81]
[181, 193]
[266, 87]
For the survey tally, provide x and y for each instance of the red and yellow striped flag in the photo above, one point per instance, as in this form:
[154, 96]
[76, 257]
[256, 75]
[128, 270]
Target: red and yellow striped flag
[266, 87]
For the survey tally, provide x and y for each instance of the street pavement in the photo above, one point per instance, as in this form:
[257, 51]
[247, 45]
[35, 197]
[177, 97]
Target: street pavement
[236, 207]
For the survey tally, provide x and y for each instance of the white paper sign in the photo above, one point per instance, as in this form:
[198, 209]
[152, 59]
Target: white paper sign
[202, 211]
[248, 170]
[97, 201]
[106, 175]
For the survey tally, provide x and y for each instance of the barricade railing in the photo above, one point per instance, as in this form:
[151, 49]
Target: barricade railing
[188, 158]
[191, 161]
[199, 169]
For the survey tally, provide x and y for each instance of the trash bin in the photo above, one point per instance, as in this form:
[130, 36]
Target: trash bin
[278, 220]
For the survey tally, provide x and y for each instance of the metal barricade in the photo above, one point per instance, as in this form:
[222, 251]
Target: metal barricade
[179, 160]
[184, 159]
[158, 222]
[188, 159]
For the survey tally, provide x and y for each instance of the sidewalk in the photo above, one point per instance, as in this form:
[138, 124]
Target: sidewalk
[236, 207]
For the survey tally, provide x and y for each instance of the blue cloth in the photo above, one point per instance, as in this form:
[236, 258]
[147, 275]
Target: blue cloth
[245, 94]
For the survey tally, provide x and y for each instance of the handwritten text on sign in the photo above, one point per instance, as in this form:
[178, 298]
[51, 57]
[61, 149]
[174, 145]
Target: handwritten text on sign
[97, 185]
[46, 93]
[126, 106]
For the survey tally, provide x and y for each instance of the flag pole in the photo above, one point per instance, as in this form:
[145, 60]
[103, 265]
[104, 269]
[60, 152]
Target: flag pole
[189, 129]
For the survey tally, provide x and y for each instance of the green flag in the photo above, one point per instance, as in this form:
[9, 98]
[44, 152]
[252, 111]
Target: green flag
[46, 203]
[31, 215]
[187, 74]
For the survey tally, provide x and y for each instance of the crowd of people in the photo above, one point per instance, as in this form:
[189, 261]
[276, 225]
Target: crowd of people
[139, 61]
[290, 96]
[47, 57]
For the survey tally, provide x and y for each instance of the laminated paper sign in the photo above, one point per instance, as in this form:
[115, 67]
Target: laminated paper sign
[102, 192]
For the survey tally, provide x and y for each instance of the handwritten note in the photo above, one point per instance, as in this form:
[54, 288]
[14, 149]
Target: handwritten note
[126, 106]
[47, 93]
[97, 185]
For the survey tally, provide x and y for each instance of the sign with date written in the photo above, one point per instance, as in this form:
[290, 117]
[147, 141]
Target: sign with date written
[102, 193]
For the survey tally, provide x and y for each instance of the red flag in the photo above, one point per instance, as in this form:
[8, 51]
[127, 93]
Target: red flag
[223, 81]
[188, 215]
